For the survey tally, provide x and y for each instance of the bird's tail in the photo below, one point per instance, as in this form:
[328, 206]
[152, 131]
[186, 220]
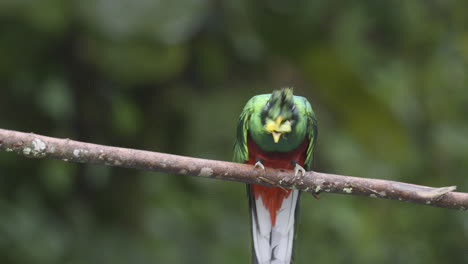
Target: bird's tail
[273, 222]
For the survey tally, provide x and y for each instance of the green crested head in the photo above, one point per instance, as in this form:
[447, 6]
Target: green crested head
[277, 121]
[280, 103]
[279, 113]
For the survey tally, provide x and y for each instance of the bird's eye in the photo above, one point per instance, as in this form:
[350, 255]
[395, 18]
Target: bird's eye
[267, 105]
[293, 108]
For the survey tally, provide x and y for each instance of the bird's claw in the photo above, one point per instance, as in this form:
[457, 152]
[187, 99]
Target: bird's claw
[259, 165]
[298, 168]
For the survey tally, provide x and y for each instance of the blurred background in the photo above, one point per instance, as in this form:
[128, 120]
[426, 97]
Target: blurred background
[387, 80]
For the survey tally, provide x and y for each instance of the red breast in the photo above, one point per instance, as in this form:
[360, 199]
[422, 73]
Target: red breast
[272, 197]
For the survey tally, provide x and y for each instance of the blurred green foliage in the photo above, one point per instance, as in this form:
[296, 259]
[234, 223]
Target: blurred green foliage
[388, 81]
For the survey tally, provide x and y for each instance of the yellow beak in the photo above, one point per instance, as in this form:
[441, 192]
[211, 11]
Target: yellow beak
[277, 127]
[276, 136]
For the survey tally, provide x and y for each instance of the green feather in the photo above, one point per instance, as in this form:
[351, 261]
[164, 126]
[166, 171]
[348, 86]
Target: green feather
[241, 153]
[312, 134]
[250, 121]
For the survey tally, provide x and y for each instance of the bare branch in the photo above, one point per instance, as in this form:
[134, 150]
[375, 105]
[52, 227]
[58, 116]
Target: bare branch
[36, 146]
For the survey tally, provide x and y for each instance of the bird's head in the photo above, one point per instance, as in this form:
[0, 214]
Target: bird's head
[279, 113]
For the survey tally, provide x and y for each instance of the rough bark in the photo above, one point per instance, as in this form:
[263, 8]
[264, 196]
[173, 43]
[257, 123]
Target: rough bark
[36, 146]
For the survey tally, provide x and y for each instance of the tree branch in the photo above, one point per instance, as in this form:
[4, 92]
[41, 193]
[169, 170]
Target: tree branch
[36, 146]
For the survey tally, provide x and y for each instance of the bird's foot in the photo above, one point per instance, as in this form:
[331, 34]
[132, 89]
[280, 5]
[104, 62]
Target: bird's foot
[259, 164]
[299, 172]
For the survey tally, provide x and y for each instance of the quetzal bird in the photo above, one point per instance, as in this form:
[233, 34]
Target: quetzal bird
[277, 130]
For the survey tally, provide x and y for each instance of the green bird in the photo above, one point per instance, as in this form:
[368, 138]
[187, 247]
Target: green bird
[277, 130]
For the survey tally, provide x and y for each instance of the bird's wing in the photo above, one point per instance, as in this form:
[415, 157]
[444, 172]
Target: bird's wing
[311, 133]
[241, 153]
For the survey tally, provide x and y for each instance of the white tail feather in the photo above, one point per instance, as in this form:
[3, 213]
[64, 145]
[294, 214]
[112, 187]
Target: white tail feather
[274, 244]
